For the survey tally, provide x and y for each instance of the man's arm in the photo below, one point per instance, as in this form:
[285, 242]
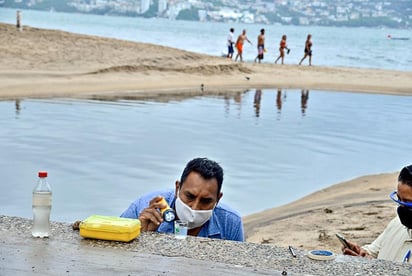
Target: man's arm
[146, 209]
[131, 212]
[355, 250]
[238, 233]
[150, 218]
[373, 249]
[233, 225]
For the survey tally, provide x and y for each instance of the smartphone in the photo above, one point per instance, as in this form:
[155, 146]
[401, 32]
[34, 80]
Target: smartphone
[343, 241]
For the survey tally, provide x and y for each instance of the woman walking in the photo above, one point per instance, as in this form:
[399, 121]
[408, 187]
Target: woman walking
[308, 50]
[283, 45]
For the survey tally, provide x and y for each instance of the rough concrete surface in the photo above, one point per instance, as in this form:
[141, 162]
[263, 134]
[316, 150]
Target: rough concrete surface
[66, 253]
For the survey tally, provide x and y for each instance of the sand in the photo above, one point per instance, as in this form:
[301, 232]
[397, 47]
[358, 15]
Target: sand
[47, 63]
[359, 209]
[38, 63]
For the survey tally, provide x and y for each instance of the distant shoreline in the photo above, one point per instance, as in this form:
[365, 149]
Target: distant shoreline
[241, 16]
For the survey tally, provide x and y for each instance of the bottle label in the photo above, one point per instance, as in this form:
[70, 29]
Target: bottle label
[42, 199]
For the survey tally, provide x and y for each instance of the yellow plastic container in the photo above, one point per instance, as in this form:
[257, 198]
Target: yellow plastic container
[110, 228]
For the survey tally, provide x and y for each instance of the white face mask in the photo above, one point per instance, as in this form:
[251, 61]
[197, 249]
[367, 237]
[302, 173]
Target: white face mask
[195, 218]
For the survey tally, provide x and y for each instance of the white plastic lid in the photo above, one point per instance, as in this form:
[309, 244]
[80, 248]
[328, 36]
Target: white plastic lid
[321, 255]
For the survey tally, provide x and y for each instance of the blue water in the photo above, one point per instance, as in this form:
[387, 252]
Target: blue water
[352, 47]
[102, 155]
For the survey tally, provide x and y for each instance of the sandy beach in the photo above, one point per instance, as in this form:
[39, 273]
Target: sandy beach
[359, 209]
[38, 63]
[48, 63]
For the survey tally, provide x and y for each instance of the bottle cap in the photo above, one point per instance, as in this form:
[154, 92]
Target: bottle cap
[42, 174]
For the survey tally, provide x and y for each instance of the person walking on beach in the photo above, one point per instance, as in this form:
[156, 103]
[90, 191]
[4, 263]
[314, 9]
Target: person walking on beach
[230, 42]
[283, 45]
[394, 243]
[196, 200]
[260, 45]
[239, 45]
[308, 50]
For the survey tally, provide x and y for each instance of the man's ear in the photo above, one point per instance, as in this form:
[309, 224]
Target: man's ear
[177, 184]
[219, 197]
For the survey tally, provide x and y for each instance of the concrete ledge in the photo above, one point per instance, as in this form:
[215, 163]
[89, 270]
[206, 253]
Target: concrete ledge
[66, 253]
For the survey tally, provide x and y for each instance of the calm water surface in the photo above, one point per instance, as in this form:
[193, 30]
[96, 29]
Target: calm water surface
[274, 146]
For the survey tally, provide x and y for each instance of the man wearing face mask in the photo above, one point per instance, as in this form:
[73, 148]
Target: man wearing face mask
[395, 242]
[196, 200]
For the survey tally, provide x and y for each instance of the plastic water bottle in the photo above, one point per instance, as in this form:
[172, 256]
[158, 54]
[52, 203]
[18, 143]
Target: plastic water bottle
[42, 199]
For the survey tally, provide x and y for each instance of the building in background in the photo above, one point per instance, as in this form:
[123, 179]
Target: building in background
[162, 6]
[145, 5]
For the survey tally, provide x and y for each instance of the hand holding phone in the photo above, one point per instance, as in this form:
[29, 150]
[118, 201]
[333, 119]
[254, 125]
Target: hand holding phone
[343, 241]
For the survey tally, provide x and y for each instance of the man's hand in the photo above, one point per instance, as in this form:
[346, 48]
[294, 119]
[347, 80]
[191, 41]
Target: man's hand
[150, 218]
[355, 250]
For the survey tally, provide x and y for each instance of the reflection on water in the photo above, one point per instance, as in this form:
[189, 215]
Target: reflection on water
[238, 97]
[279, 100]
[17, 104]
[304, 100]
[102, 154]
[256, 103]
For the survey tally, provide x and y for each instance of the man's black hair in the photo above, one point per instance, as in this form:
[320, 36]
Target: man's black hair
[208, 169]
[232, 30]
[405, 176]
